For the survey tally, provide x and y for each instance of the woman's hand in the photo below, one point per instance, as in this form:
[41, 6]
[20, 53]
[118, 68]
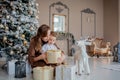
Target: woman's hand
[41, 57]
[44, 57]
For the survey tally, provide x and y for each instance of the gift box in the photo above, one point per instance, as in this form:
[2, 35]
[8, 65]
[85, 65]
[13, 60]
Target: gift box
[28, 67]
[69, 61]
[11, 67]
[65, 72]
[43, 73]
[53, 55]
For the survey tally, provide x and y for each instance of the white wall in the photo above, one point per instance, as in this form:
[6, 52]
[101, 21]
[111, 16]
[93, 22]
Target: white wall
[75, 7]
[119, 18]
[111, 29]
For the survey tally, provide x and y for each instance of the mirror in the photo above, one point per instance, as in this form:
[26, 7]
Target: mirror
[88, 23]
[59, 17]
[59, 20]
[59, 23]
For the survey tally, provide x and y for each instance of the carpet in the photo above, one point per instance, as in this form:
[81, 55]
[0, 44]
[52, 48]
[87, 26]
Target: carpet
[115, 67]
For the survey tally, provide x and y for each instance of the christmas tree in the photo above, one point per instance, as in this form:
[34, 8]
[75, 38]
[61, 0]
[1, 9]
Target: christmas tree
[18, 22]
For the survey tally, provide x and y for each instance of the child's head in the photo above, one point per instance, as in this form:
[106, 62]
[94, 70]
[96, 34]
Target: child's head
[52, 38]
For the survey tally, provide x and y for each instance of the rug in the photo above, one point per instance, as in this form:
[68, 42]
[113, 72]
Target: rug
[115, 67]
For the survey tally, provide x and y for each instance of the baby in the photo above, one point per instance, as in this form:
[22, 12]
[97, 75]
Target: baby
[52, 46]
[51, 43]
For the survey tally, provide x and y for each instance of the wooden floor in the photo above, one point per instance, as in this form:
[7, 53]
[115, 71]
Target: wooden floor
[97, 71]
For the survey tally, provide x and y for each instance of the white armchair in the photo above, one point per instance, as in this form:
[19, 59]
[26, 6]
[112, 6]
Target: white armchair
[101, 47]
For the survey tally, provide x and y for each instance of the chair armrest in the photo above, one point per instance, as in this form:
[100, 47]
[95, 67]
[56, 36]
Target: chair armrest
[94, 46]
[108, 44]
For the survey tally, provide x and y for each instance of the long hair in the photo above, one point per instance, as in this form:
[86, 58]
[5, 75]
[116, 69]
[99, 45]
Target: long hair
[42, 32]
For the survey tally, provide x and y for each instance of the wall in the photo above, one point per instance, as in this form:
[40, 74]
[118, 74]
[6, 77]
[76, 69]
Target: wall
[119, 20]
[111, 29]
[74, 18]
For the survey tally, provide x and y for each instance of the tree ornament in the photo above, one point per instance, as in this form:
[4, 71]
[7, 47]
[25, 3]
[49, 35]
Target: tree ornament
[20, 4]
[4, 38]
[16, 36]
[25, 43]
[23, 36]
[37, 4]
[13, 7]
[19, 28]
[13, 12]
[29, 4]
[31, 28]
[11, 3]
[37, 17]
[1, 26]
[30, 12]
[18, 51]
[10, 43]
[11, 52]
[8, 16]
[6, 28]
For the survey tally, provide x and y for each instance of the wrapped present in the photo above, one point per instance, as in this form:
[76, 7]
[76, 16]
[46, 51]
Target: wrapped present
[28, 67]
[43, 73]
[65, 72]
[53, 55]
[69, 60]
[11, 67]
[20, 69]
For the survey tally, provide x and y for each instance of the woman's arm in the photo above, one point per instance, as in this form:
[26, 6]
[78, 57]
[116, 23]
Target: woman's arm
[31, 53]
[41, 57]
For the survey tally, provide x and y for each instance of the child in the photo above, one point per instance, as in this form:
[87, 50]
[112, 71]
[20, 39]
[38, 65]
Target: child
[52, 46]
[51, 43]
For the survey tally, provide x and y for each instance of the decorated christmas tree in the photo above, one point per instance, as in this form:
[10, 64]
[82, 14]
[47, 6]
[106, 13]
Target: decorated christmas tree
[18, 22]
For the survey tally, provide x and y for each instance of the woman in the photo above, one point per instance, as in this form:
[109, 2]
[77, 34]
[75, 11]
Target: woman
[34, 56]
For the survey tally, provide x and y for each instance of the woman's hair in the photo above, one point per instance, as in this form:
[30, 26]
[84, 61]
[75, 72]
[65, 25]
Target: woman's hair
[41, 32]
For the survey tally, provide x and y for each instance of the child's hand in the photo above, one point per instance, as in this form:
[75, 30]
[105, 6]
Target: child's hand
[63, 55]
[59, 60]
